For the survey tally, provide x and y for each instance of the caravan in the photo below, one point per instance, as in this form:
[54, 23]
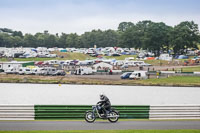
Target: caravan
[49, 70]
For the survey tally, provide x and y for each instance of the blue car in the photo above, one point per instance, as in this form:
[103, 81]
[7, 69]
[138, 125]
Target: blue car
[126, 75]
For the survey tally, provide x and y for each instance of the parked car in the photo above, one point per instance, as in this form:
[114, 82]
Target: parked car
[125, 75]
[183, 57]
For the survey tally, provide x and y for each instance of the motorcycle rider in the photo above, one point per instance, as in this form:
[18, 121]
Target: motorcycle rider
[105, 104]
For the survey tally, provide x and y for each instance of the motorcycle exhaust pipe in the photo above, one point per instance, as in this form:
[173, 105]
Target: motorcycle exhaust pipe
[113, 116]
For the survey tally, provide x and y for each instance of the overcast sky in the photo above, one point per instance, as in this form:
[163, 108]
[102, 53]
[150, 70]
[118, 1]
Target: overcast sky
[70, 16]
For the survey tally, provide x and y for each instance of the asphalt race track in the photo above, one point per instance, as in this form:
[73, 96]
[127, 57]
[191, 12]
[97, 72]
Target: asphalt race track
[98, 125]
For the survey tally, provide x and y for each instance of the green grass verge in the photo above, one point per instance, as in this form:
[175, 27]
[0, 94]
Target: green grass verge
[175, 80]
[108, 131]
[122, 57]
[66, 56]
[171, 81]
[189, 69]
[156, 62]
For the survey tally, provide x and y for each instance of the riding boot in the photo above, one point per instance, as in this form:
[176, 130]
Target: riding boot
[104, 113]
[107, 112]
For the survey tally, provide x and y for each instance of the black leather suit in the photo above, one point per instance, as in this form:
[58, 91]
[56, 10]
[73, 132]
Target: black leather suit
[105, 104]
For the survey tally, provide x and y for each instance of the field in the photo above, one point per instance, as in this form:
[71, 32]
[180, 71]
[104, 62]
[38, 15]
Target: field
[188, 69]
[108, 131]
[100, 80]
[62, 56]
[122, 57]
[174, 81]
[80, 56]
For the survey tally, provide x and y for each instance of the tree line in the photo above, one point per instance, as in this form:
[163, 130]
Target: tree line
[147, 35]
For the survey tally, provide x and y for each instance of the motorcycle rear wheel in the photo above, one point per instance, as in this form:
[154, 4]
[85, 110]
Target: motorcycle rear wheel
[89, 117]
[114, 119]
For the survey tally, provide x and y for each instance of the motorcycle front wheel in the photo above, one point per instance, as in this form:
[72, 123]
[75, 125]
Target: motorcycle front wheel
[89, 117]
[113, 116]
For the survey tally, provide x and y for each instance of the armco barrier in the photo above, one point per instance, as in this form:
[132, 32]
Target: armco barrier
[17, 112]
[78, 111]
[58, 112]
[174, 112]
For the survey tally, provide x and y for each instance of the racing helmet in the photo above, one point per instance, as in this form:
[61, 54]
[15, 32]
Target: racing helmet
[102, 96]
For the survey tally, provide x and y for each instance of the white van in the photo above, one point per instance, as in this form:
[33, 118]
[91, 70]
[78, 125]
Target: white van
[138, 75]
[83, 71]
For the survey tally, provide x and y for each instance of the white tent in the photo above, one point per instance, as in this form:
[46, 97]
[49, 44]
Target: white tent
[166, 57]
[102, 65]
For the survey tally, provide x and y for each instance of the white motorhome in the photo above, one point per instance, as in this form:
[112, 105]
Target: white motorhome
[11, 70]
[25, 70]
[136, 63]
[38, 71]
[138, 75]
[49, 70]
[84, 71]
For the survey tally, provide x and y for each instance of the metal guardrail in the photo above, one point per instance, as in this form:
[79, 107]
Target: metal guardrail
[63, 112]
[17, 112]
[174, 112]
[58, 112]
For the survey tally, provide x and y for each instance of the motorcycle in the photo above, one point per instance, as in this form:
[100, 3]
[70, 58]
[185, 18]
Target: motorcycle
[112, 115]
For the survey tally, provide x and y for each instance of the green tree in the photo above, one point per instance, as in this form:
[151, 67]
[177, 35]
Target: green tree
[50, 40]
[131, 38]
[123, 26]
[184, 35]
[156, 38]
[40, 39]
[17, 41]
[62, 41]
[95, 37]
[5, 40]
[17, 33]
[30, 40]
[6, 30]
[73, 40]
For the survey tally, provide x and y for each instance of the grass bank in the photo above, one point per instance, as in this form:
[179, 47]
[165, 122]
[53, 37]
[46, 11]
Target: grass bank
[122, 57]
[174, 81]
[65, 56]
[171, 81]
[108, 131]
[188, 69]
